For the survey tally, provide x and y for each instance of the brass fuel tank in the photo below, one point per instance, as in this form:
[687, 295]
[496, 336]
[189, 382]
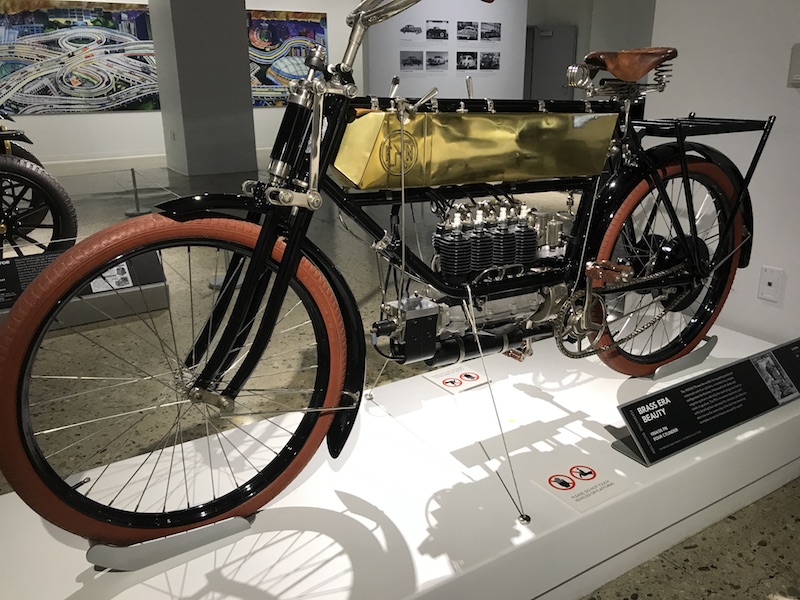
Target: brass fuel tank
[460, 148]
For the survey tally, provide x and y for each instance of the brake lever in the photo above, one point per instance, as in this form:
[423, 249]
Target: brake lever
[394, 86]
[426, 98]
[406, 112]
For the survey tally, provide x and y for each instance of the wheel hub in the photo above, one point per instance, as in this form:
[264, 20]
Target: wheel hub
[672, 254]
[199, 395]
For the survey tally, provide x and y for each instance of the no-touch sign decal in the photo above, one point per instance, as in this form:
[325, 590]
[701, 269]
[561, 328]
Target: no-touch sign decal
[581, 486]
[561, 482]
[457, 379]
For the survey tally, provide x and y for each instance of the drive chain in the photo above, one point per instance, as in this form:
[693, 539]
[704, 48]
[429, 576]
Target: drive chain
[560, 331]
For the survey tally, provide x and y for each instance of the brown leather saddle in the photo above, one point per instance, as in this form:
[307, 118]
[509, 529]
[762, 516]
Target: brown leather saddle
[630, 65]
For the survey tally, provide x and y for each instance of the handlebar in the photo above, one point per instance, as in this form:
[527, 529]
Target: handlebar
[366, 14]
[372, 12]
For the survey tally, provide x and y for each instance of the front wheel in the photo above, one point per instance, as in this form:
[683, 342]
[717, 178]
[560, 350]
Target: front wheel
[14, 149]
[650, 327]
[102, 430]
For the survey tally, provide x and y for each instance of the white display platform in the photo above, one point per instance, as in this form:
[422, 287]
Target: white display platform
[414, 508]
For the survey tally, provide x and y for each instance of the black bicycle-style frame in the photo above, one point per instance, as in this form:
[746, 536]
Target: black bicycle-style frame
[600, 197]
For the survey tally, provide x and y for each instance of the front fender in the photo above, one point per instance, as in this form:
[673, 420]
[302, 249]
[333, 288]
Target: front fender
[238, 206]
[14, 135]
[205, 205]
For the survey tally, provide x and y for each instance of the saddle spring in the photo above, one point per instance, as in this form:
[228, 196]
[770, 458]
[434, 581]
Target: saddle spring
[580, 76]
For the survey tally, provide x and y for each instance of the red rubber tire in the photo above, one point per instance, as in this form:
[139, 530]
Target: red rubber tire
[707, 174]
[21, 329]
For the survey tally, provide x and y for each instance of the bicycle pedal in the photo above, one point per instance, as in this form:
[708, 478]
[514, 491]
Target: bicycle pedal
[521, 353]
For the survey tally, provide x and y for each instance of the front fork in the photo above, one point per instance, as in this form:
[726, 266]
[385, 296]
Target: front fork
[290, 196]
[242, 316]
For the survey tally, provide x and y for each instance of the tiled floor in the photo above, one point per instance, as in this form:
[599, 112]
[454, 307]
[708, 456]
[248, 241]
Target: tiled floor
[751, 555]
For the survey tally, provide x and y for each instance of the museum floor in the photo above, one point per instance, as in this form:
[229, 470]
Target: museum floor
[750, 555]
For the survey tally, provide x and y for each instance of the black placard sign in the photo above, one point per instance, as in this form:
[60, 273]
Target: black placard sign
[18, 272]
[673, 419]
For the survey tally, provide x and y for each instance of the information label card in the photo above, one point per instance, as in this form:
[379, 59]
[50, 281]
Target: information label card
[671, 420]
[18, 272]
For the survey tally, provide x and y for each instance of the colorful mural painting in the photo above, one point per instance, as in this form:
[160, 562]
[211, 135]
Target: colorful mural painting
[67, 57]
[77, 57]
[279, 42]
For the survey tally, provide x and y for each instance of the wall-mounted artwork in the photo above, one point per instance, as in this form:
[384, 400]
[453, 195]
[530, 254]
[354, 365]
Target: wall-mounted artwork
[68, 57]
[467, 30]
[279, 43]
[411, 60]
[437, 30]
[466, 60]
[490, 61]
[437, 60]
[484, 41]
[78, 57]
[490, 32]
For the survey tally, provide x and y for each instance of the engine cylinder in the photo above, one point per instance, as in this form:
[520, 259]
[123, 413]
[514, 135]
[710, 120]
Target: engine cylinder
[480, 250]
[454, 249]
[503, 245]
[526, 243]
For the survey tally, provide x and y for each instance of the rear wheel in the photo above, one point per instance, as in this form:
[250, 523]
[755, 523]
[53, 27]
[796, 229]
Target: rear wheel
[103, 431]
[653, 326]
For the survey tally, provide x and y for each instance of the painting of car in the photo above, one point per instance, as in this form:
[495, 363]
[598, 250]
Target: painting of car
[490, 60]
[467, 60]
[467, 33]
[410, 29]
[490, 31]
[436, 33]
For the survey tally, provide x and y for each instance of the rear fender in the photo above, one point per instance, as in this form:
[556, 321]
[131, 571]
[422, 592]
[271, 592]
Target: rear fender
[616, 189]
[665, 153]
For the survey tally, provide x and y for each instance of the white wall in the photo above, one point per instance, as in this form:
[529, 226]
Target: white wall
[602, 24]
[621, 24]
[733, 62]
[64, 138]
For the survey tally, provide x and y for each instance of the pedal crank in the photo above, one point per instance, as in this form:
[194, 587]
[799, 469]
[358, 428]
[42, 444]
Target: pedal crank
[519, 354]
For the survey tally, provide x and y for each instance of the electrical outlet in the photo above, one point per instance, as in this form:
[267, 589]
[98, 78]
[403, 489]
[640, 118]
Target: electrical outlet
[772, 284]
